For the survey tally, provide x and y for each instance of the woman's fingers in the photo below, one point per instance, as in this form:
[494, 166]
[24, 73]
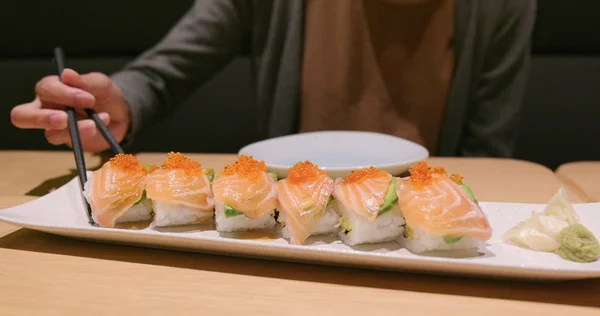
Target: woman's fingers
[31, 115]
[98, 84]
[50, 89]
[87, 132]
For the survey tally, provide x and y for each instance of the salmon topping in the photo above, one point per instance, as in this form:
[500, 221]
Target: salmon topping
[440, 208]
[363, 191]
[180, 181]
[303, 199]
[115, 188]
[246, 187]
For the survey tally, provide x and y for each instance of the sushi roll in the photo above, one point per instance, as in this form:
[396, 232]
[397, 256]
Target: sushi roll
[305, 203]
[366, 201]
[441, 212]
[116, 193]
[245, 197]
[180, 192]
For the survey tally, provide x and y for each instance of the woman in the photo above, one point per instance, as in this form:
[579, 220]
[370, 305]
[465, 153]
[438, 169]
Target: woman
[449, 74]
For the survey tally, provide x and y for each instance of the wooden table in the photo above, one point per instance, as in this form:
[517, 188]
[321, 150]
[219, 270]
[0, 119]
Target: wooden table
[582, 178]
[52, 275]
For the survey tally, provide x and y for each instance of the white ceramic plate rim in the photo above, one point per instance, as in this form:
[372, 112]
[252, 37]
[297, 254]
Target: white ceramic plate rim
[423, 155]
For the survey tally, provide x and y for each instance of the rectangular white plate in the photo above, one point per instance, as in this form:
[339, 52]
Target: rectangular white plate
[62, 212]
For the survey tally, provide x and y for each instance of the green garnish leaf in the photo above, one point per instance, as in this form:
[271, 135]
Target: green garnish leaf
[331, 199]
[231, 212]
[451, 240]
[273, 175]
[390, 199]
[210, 174]
[142, 199]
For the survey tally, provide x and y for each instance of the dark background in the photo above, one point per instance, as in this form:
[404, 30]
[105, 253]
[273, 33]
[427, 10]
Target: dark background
[562, 108]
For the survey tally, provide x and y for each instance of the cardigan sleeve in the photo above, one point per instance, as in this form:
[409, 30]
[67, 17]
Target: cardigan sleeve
[494, 112]
[206, 38]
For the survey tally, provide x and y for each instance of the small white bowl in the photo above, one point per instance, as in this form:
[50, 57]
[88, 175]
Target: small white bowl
[337, 152]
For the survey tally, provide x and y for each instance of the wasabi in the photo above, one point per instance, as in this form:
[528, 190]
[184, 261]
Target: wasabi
[578, 244]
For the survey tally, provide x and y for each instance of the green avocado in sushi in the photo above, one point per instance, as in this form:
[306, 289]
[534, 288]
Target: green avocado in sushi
[465, 188]
[389, 201]
[390, 198]
[449, 240]
[142, 199]
[469, 193]
[231, 212]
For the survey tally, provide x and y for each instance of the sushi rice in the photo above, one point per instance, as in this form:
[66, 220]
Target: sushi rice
[167, 214]
[139, 212]
[355, 229]
[328, 224]
[418, 241]
[242, 222]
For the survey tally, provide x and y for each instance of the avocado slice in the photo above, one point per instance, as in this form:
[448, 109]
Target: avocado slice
[273, 175]
[451, 240]
[389, 199]
[231, 212]
[469, 193]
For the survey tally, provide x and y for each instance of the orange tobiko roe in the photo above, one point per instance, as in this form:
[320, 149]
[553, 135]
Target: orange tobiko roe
[180, 161]
[245, 166]
[304, 172]
[457, 178]
[126, 162]
[421, 174]
[363, 174]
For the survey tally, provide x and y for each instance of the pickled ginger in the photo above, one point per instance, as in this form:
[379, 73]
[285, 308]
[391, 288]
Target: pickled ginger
[541, 232]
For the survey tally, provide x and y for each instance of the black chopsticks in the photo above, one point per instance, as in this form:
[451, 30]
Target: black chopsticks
[59, 55]
[112, 142]
[60, 59]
